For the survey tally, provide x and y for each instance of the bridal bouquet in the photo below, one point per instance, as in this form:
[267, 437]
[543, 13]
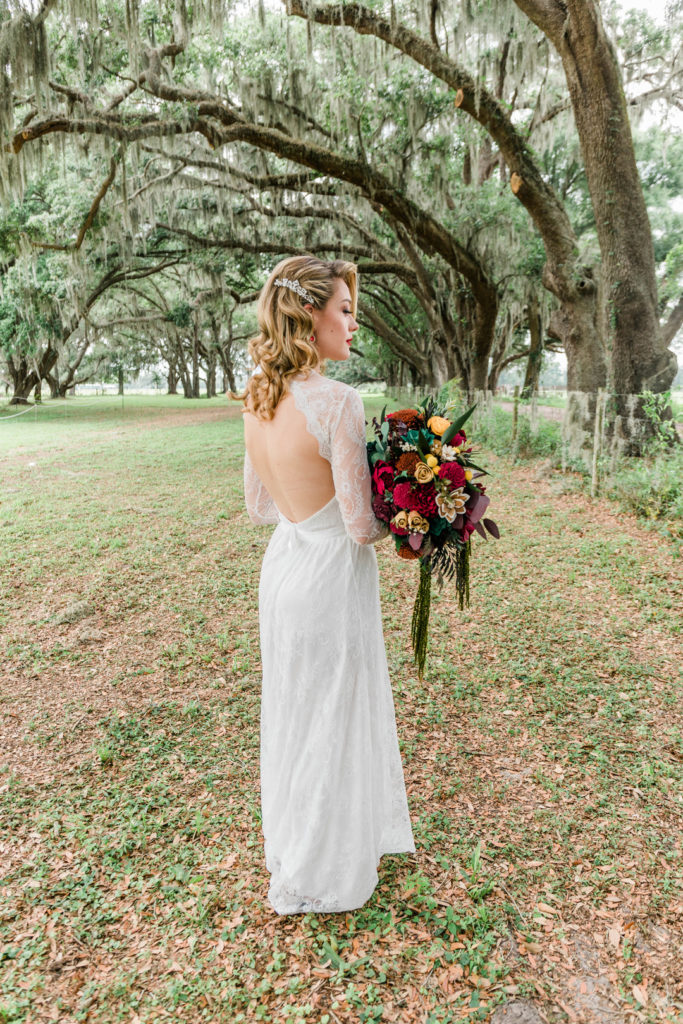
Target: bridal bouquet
[423, 484]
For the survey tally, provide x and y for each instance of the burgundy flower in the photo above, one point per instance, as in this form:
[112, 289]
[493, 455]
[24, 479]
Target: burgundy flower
[402, 495]
[423, 500]
[381, 509]
[421, 497]
[383, 476]
[453, 472]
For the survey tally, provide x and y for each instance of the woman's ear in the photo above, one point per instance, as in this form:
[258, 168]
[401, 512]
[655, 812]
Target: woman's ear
[310, 309]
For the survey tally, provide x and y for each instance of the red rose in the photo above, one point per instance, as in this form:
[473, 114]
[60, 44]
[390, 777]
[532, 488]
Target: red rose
[398, 530]
[382, 476]
[458, 439]
[453, 472]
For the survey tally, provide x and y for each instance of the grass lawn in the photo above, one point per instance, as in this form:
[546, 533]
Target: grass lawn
[542, 756]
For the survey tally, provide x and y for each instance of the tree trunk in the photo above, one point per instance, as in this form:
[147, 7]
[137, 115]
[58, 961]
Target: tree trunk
[506, 331]
[24, 380]
[484, 331]
[576, 326]
[172, 379]
[228, 373]
[53, 382]
[211, 376]
[640, 358]
[535, 358]
[38, 392]
[195, 358]
[119, 377]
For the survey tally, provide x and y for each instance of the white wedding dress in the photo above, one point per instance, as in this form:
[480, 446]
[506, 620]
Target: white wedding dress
[333, 796]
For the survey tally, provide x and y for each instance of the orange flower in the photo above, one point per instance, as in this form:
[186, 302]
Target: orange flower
[407, 552]
[407, 462]
[438, 424]
[411, 417]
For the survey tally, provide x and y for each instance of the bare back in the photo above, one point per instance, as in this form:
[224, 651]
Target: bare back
[311, 452]
[287, 459]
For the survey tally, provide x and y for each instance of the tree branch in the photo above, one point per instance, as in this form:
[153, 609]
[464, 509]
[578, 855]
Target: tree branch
[673, 323]
[527, 181]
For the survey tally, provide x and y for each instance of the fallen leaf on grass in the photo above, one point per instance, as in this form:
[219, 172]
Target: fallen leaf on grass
[640, 993]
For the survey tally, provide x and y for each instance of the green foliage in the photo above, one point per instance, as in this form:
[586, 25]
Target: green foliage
[652, 487]
[494, 433]
[657, 408]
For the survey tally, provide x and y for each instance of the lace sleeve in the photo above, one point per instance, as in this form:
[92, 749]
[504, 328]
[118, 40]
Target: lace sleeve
[260, 506]
[351, 473]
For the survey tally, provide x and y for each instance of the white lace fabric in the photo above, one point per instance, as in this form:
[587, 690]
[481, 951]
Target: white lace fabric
[333, 795]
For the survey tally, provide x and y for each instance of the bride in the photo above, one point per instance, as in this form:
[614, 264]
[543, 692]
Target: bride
[333, 796]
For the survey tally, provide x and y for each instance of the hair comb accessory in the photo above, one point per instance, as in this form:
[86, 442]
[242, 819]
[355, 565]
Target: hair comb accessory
[285, 282]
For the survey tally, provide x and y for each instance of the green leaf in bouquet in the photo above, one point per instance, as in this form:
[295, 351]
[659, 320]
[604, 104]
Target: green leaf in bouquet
[428, 404]
[455, 426]
[385, 430]
[383, 415]
[471, 465]
[423, 443]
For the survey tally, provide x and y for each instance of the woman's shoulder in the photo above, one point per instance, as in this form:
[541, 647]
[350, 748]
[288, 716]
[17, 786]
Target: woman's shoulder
[330, 389]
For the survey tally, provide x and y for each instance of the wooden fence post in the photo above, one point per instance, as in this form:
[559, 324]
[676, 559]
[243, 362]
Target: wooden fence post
[597, 433]
[515, 421]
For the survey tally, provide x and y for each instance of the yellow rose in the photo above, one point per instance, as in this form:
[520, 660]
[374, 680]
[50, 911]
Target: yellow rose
[423, 473]
[432, 461]
[417, 523]
[400, 520]
[468, 474]
[438, 424]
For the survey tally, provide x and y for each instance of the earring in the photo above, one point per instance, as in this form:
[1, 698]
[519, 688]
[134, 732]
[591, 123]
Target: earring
[313, 339]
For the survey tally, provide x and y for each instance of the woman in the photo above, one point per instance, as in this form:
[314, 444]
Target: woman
[333, 796]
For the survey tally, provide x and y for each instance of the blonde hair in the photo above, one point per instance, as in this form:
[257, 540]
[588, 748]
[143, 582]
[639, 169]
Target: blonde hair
[284, 347]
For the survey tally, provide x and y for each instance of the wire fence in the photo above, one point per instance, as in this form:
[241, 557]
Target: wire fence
[40, 407]
[584, 440]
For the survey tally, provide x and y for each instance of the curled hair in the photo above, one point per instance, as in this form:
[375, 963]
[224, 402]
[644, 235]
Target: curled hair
[283, 346]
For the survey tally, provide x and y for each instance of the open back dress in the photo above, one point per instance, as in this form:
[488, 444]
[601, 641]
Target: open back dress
[333, 795]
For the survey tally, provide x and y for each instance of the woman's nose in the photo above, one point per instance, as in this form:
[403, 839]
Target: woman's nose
[355, 325]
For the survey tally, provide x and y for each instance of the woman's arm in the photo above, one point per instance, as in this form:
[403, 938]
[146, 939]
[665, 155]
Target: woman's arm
[351, 473]
[261, 508]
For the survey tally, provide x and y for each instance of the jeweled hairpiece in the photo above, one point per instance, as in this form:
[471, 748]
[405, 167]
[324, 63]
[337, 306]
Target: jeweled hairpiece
[285, 282]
